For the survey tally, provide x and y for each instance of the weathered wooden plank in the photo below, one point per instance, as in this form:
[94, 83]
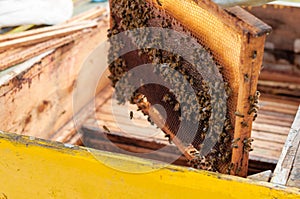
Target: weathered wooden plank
[263, 176]
[24, 53]
[250, 67]
[271, 129]
[294, 178]
[70, 130]
[39, 31]
[278, 90]
[78, 172]
[261, 119]
[264, 156]
[39, 99]
[286, 30]
[95, 134]
[269, 137]
[287, 158]
[277, 76]
[33, 39]
[281, 99]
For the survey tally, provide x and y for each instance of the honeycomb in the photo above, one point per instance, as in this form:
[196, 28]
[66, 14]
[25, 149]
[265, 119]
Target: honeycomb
[210, 59]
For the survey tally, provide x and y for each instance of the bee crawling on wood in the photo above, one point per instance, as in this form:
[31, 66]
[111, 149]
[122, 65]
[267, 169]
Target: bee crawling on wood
[131, 115]
[239, 114]
[106, 129]
[230, 167]
[253, 109]
[169, 138]
[246, 78]
[253, 100]
[244, 124]
[247, 144]
[234, 143]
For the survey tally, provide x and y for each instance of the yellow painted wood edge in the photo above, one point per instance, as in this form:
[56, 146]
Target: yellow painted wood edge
[34, 168]
[20, 29]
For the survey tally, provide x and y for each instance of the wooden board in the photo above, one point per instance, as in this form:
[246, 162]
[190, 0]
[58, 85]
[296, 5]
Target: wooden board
[288, 170]
[263, 176]
[286, 31]
[38, 101]
[272, 126]
[32, 168]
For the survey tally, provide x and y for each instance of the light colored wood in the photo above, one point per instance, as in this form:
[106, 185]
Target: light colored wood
[25, 53]
[289, 152]
[294, 178]
[250, 66]
[264, 156]
[38, 101]
[70, 129]
[271, 128]
[38, 31]
[30, 40]
[268, 137]
[263, 176]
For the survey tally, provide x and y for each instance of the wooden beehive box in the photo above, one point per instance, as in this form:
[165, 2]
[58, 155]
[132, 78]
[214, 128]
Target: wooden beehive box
[63, 170]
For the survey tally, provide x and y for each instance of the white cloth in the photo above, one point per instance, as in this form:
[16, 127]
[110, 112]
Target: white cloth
[24, 12]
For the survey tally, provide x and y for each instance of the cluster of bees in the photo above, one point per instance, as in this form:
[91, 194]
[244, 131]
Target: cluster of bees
[253, 100]
[132, 14]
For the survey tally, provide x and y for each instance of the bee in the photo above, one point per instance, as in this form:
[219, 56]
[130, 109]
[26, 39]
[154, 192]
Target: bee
[248, 140]
[139, 98]
[244, 124]
[149, 120]
[228, 127]
[246, 78]
[254, 104]
[238, 170]
[226, 139]
[169, 138]
[106, 129]
[176, 107]
[239, 114]
[257, 95]
[166, 98]
[230, 167]
[247, 144]
[140, 53]
[131, 115]
[255, 116]
[253, 109]
[254, 54]
[235, 140]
